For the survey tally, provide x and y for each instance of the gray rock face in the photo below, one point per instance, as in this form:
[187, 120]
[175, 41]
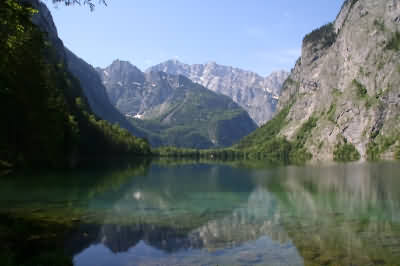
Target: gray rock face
[130, 90]
[90, 82]
[96, 93]
[175, 109]
[348, 77]
[256, 94]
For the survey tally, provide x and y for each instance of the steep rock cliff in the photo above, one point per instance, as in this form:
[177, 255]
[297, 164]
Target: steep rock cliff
[347, 80]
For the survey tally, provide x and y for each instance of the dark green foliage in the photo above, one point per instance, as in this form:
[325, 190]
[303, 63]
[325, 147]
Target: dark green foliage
[304, 132]
[379, 145]
[345, 152]
[299, 152]
[22, 247]
[332, 113]
[213, 154]
[394, 42]
[264, 143]
[362, 93]
[197, 122]
[373, 151]
[35, 123]
[336, 92]
[276, 149]
[43, 124]
[79, 2]
[379, 24]
[267, 132]
[360, 88]
[320, 145]
[370, 101]
[325, 35]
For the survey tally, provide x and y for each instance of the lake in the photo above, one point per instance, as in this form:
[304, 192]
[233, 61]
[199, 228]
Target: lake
[203, 213]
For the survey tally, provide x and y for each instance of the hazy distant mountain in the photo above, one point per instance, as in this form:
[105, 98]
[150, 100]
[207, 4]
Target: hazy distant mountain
[256, 94]
[173, 110]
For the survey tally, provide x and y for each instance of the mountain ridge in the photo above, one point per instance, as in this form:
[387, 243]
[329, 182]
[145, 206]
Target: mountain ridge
[256, 94]
[172, 109]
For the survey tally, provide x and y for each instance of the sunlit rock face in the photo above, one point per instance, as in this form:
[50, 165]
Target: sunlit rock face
[348, 78]
[256, 94]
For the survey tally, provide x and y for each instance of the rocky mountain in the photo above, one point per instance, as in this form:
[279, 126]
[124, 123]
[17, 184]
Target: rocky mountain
[341, 101]
[96, 93]
[173, 110]
[257, 95]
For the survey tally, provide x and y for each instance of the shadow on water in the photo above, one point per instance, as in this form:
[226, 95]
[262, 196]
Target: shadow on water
[39, 210]
[198, 213]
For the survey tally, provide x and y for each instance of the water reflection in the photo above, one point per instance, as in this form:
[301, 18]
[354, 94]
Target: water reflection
[208, 214]
[235, 224]
[344, 214]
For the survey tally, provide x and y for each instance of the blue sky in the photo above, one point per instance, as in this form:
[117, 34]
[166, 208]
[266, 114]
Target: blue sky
[257, 35]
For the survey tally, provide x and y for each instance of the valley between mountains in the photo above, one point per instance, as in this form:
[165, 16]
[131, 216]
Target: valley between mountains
[173, 108]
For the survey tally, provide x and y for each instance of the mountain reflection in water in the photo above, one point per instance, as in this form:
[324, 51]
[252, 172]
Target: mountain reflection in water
[208, 214]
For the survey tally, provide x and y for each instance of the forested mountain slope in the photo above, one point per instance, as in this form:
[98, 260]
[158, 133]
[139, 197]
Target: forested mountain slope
[47, 120]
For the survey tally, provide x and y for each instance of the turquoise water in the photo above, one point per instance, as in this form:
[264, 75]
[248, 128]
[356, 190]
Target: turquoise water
[207, 214]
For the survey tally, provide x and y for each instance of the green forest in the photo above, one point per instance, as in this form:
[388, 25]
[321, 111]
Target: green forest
[47, 121]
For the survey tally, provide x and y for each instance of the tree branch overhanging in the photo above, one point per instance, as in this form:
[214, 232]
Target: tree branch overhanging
[80, 2]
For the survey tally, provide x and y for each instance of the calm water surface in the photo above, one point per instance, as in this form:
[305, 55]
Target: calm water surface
[206, 214]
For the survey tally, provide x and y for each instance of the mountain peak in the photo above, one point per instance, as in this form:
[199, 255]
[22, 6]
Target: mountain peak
[211, 63]
[175, 61]
[122, 63]
[250, 90]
